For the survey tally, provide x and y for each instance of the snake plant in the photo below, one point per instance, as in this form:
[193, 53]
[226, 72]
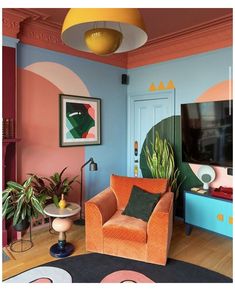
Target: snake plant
[160, 161]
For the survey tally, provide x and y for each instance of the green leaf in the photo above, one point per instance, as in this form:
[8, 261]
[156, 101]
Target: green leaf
[15, 186]
[28, 194]
[55, 200]
[10, 208]
[56, 177]
[9, 215]
[17, 214]
[5, 194]
[37, 205]
[42, 198]
[5, 206]
[65, 181]
[28, 182]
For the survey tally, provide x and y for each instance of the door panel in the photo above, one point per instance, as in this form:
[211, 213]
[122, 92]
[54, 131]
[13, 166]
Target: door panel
[144, 112]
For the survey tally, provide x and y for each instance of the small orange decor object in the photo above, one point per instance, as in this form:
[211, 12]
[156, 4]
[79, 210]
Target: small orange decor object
[62, 203]
[170, 85]
[161, 86]
[152, 87]
[220, 217]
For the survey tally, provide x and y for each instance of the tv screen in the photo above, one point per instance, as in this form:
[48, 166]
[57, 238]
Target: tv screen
[207, 134]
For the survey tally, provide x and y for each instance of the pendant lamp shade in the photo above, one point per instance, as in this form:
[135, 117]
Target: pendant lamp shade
[104, 31]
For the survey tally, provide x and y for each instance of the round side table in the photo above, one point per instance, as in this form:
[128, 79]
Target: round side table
[62, 223]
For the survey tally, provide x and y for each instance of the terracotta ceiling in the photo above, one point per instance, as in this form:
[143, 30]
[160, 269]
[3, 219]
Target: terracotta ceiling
[159, 22]
[172, 33]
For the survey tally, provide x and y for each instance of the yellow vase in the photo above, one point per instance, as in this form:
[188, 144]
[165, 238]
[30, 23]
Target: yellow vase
[62, 203]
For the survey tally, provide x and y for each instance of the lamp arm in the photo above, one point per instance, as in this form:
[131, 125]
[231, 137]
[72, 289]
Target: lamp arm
[90, 160]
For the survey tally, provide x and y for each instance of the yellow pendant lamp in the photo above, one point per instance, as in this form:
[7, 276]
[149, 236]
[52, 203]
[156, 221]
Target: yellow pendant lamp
[104, 31]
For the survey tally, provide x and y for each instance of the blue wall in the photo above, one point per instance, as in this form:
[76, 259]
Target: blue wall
[191, 75]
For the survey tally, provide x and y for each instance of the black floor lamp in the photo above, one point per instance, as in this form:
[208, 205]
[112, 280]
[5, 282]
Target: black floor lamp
[92, 167]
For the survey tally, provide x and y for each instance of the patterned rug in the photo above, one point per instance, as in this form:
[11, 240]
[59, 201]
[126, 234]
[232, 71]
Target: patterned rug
[99, 268]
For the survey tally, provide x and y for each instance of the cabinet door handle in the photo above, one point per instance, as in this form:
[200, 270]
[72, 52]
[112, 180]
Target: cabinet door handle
[230, 220]
[220, 217]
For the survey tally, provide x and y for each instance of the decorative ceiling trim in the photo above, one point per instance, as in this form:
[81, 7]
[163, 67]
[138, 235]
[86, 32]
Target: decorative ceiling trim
[36, 28]
[11, 23]
[198, 39]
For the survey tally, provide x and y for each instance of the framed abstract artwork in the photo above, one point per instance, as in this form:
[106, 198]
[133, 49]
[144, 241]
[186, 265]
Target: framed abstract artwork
[79, 120]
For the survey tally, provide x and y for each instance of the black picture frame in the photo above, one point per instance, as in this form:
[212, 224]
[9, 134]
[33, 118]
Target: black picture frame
[79, 120]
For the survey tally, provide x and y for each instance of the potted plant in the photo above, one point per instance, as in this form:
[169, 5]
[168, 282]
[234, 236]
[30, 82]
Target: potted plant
[22, 203]
[55, 186]
[161, 163]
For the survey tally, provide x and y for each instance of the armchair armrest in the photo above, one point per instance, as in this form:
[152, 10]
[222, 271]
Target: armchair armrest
[104, 204]
[98, 210]
[159, 228]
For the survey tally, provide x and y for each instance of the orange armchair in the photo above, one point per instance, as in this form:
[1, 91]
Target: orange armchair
[110, 232]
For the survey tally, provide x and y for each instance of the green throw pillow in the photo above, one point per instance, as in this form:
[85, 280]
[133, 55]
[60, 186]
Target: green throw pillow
[141, 203]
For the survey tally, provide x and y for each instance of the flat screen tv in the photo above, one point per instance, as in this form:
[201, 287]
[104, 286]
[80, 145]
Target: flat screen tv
[207, 133]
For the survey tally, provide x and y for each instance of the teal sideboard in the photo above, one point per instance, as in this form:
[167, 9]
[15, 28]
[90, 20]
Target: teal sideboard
[208, 212]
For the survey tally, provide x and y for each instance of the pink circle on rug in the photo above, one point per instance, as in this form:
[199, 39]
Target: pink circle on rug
[126, 276]
[42, 280]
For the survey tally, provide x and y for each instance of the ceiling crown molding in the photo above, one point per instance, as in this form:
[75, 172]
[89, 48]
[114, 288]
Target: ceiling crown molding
[29, 13]
[11, 23]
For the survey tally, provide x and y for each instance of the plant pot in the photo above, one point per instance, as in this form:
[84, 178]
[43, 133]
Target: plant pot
[22, 225]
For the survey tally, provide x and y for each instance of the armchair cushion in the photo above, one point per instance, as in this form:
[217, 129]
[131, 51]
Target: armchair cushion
[125, 228]
[141, 203]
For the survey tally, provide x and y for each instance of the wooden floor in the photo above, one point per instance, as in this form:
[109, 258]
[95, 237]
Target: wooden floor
[202, 248]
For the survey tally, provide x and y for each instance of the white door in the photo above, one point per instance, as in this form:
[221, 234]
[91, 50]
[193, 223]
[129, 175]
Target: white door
[145, 111]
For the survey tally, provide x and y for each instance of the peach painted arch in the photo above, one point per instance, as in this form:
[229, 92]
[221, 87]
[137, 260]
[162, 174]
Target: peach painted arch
[60, 76]
[64, 79]
[220, 91]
